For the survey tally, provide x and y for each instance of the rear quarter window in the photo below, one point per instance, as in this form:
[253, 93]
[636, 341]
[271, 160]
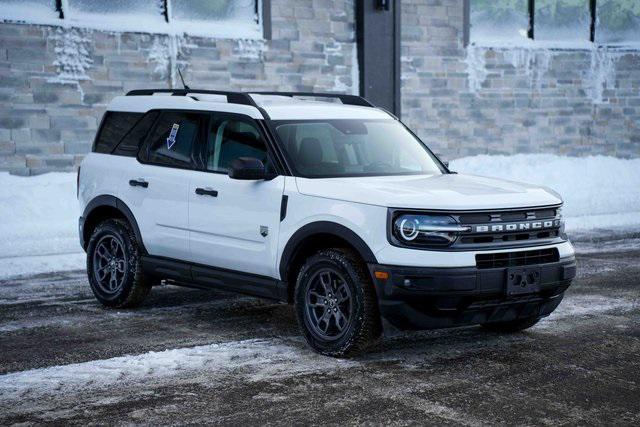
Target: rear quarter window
[132, 141]
[115, 125]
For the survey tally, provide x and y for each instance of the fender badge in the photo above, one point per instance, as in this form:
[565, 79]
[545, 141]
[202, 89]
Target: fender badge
[264, 230]
[172, 136]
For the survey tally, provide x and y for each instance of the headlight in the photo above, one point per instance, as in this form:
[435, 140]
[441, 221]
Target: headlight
[426, 230]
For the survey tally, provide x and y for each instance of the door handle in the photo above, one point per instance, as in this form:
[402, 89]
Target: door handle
[206, 192]
[138, 183]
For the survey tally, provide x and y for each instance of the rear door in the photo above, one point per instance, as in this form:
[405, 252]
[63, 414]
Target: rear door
[234, 224]
[157, 189]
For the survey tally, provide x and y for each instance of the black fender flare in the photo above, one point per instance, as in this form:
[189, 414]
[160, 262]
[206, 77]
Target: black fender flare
[323, 227]
[113, 202]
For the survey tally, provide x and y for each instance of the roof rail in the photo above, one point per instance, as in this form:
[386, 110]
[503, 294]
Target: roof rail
[232, 97]
[245, 97]
[345, 99]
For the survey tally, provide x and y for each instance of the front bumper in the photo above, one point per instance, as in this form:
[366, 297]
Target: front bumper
[431, 298]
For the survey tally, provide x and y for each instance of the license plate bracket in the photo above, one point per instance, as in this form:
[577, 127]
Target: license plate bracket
[521, 281]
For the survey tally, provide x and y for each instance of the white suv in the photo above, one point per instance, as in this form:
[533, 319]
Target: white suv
[335, 207]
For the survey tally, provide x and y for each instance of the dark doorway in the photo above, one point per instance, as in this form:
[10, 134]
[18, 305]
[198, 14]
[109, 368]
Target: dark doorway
[378, 35]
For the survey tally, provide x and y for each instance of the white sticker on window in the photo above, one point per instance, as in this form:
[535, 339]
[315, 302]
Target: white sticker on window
[172, 136]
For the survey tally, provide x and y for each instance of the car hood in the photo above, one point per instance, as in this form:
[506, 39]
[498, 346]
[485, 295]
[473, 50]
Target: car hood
[446, 192]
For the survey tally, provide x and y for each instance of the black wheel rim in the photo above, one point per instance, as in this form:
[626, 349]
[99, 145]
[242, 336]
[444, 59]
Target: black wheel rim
[328, 304]
[109, 264]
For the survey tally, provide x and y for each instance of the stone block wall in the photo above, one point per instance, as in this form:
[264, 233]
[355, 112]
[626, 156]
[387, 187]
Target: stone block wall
[55, 83]
[473, 100]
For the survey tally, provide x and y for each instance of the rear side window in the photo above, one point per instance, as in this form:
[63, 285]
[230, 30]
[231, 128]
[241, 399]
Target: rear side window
[174, 138]
[133, 140]
[114, 126]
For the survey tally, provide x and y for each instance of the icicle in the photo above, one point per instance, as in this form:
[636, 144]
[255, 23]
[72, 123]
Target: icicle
[476, 67]
[601, 74]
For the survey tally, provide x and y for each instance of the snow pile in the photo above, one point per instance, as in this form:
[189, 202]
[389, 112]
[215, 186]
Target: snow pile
[39, 224]
[598, 191]
[258, 359]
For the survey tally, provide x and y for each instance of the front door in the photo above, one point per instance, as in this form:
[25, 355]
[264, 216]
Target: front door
[234, 224]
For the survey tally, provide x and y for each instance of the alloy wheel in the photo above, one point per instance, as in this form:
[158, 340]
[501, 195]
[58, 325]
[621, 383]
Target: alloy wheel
[329, 304]
[109, 264]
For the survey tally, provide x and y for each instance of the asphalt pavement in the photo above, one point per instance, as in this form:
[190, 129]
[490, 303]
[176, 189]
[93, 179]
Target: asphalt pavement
[207, 357]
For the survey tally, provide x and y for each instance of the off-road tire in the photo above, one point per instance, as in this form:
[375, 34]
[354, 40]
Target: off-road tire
[364, 326]
[134, 285]
[512, 326]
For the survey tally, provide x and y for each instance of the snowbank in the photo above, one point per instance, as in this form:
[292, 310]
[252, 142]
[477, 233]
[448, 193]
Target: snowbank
[39, 224]
[598, 191]
[39, 214]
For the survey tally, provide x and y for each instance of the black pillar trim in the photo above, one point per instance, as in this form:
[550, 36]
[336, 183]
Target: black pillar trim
[266, 19]
[466, 22]
[532, 13]
[165, 11]
[59, 9]
[592, 9]
[366, 13]
[397, 88]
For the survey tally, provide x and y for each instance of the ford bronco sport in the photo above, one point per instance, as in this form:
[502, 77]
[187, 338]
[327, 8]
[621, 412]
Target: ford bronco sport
[319, 200]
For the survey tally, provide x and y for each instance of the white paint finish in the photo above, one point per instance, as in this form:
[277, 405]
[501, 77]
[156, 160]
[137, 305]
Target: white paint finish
[161, 209]
[323, 110]
[446, 192]
[366, 221]
[225, 230]
[145, 103]
[392, 255]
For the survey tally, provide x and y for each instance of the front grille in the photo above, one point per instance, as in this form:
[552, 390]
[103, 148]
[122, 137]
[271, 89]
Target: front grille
[505, 216]
[516, 259]
[508, 237]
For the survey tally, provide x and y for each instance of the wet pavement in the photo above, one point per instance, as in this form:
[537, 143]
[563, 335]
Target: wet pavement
[208, 357]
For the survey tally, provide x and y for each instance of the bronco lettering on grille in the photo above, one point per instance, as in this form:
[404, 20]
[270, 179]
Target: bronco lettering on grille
[517, 226]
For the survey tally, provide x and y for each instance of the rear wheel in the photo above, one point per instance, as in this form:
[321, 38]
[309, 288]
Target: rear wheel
[512, 326]
[114, 266]
[336, 304]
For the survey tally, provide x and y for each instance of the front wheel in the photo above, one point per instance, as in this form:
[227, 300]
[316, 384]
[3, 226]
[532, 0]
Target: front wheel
[512, 326]
[336, 304]
[114, 266]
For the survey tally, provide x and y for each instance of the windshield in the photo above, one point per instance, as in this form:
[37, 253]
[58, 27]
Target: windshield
[340, 148]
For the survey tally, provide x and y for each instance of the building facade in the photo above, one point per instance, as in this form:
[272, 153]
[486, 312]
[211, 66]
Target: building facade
[462, 96]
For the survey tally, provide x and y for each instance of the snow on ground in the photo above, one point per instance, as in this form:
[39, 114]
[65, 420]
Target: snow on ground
[598, 191]
[40, 214]
[39, 226]
[265, 358]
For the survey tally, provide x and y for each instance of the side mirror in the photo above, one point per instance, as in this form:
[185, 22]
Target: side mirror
[248, 168]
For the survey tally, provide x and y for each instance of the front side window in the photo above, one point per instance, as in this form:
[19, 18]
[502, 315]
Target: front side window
[337, 148]
[230, 137]
[174, 138]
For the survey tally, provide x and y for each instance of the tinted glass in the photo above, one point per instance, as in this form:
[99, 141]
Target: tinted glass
[334, 148]
[618, 22]
[174, 138]
[231, 137]
[132, 141]
[114, 126]
[562, 20]
[496, 21]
